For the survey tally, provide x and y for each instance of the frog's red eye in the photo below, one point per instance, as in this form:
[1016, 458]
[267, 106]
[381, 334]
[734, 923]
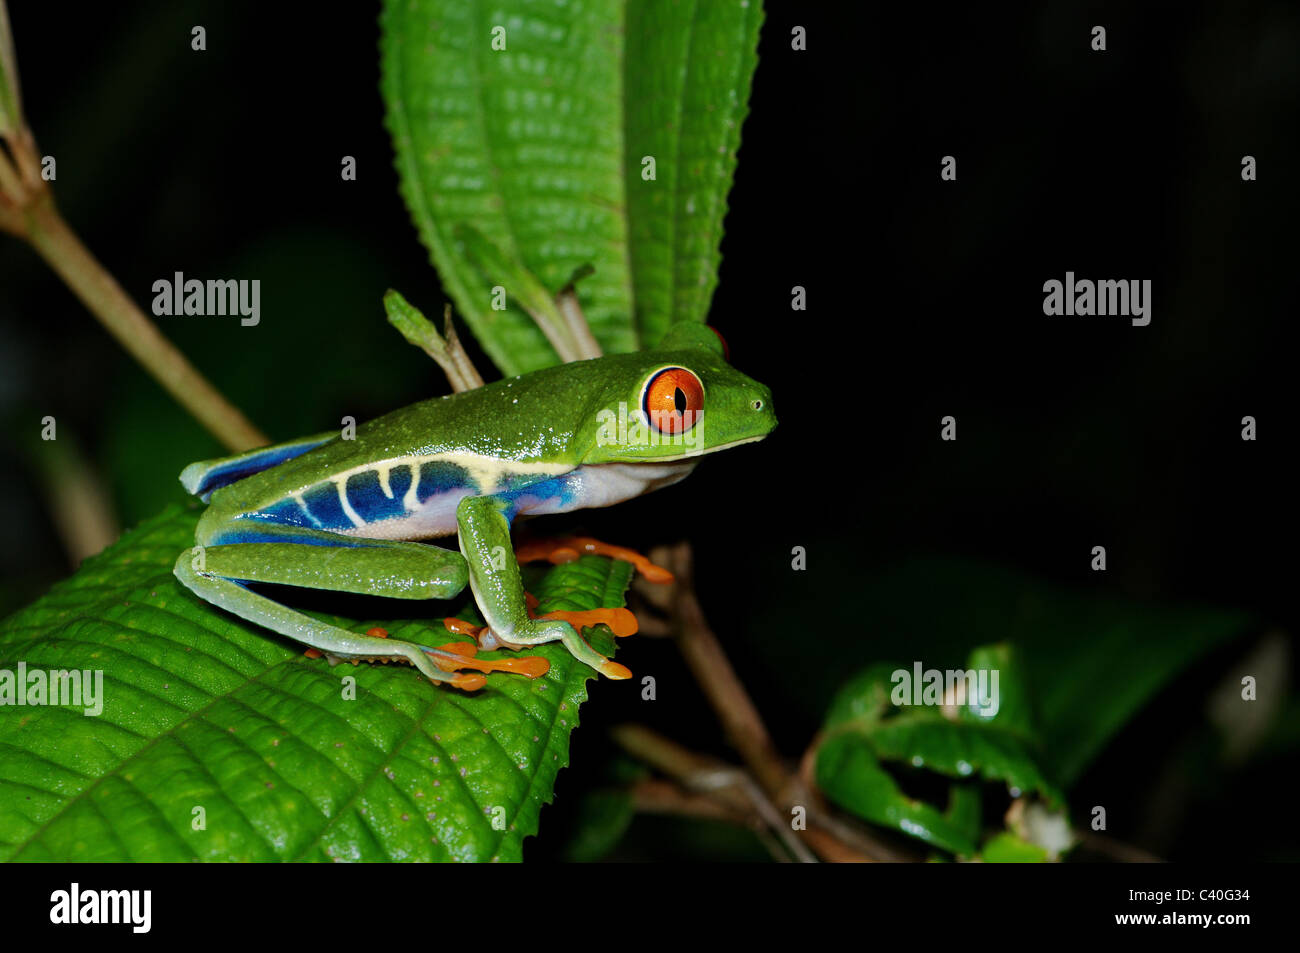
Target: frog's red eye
[673, 400]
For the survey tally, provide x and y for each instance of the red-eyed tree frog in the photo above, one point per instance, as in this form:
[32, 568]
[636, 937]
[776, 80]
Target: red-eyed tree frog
[325, 512]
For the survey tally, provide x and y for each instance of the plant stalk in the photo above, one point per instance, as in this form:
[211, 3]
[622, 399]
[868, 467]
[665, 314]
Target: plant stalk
[64, 252]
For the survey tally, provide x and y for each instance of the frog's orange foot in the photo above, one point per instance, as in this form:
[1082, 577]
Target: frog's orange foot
[620, 621]
[461, 627]
[611, 669]
[532, 666]
[467, 682]
[566, 549]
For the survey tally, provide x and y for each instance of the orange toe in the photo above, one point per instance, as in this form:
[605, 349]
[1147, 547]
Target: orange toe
[461, 627]
[468, 683]
[532, 666]
[567, 549]
[620, 621]
[611, 669]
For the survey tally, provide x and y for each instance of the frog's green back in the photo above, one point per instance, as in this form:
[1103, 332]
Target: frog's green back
[494, 439]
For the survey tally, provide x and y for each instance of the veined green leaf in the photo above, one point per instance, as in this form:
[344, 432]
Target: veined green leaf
[687, 75]
[220, 741]
[531, 123]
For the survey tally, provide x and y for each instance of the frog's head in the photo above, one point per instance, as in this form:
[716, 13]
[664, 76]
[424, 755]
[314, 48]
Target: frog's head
[680, 400]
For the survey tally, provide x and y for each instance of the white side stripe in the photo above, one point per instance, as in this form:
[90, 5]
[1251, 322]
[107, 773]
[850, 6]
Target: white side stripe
[302, 505]
[347, 507]
[410, 500]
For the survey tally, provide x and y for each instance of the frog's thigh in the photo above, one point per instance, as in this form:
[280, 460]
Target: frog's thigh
[254, 607]
[377, 567]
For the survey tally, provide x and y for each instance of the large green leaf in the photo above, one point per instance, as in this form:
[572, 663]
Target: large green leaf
[539, 147]
[204, 711]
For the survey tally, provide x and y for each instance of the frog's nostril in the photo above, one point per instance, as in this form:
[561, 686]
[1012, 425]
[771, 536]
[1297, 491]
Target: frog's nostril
[757, 405]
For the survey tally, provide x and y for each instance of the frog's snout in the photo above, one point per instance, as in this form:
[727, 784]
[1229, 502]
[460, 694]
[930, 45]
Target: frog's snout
[760, 404]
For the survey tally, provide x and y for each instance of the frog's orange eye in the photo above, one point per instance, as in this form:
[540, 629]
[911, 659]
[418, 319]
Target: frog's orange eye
[673, 400]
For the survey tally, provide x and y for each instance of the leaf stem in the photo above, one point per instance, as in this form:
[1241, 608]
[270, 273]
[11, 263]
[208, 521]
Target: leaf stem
[27, 210]
[65, 253]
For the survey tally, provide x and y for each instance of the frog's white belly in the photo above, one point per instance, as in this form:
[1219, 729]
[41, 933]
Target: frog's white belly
[584, 487]
[602, 484]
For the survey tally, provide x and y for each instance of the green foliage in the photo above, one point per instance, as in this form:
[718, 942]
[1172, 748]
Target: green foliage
[864, 730]
[204, 710]
[1093, 660]
[539, 147]
[1004, 848]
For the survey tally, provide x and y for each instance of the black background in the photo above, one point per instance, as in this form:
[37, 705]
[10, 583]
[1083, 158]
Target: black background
[924, 299]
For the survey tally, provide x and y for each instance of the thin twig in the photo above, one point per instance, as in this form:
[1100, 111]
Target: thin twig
[27, 210]
[104, 297]
[713, 800]
[466, 372]
[740, 719]
[1119, 850]
[655, 796]
[700, 773]
[79, 501]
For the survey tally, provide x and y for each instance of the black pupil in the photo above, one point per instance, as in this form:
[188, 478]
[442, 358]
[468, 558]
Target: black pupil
[679, 400]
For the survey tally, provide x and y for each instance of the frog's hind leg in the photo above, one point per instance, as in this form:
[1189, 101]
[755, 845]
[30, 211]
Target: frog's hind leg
[318, 559]
[330, 639]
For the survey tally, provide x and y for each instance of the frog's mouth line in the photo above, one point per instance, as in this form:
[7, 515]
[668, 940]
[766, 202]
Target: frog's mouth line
[695, 453]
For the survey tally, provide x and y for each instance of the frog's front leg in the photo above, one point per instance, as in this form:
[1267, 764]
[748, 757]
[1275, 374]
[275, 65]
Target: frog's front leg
[242, 552]
[499, 591]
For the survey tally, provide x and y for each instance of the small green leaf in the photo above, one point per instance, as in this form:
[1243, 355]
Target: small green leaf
[1004, 848]
[964, 806]
[203, 711]
[865, 727]
[850, 774]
